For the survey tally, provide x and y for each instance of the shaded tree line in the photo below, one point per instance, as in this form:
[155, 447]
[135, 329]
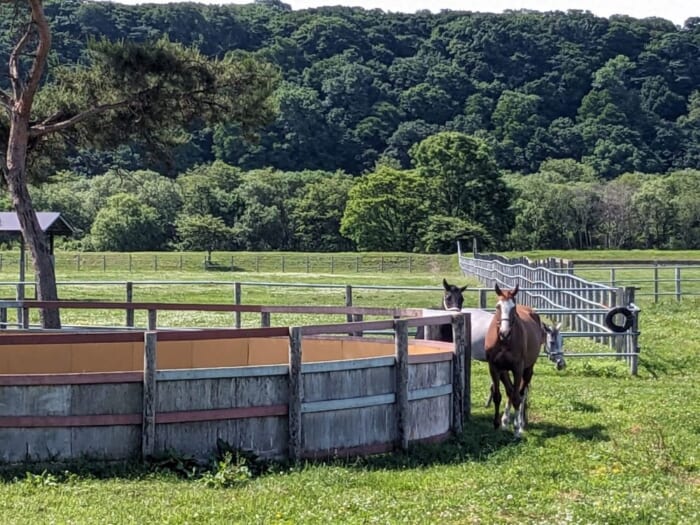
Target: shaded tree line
[453, 191]
[361, 87]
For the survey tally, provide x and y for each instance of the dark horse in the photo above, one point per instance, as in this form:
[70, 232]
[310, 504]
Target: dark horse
[452, 301]
[512, 345]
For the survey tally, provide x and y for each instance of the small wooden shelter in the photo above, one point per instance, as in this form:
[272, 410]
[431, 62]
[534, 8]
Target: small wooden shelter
[50, 222]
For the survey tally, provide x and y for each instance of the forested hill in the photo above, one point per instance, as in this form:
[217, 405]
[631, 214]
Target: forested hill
[617, 94]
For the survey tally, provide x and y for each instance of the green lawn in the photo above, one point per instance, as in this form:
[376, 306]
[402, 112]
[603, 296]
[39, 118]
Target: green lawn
[602, 447]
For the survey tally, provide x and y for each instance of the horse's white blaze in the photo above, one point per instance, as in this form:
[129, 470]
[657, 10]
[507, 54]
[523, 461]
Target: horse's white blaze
[506, 308]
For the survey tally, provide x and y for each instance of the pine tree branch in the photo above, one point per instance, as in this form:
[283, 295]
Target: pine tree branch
[45, 127]
[5, 100]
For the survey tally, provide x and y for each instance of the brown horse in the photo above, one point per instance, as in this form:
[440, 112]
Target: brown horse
[512, 345]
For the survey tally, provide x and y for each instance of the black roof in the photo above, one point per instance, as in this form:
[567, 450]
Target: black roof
[49, 221]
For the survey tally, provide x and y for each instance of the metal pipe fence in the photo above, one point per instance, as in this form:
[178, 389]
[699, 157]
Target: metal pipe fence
[657, 280]
[582, 306]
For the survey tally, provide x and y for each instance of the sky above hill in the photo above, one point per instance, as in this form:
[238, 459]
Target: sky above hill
[677, 11]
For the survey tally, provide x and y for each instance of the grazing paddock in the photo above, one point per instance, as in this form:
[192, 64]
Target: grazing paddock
[602, 446]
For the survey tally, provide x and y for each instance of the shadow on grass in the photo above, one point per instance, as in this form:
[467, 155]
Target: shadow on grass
[478, 442]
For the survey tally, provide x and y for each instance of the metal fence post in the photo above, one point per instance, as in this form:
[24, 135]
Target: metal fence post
[678, 283]
[656, 282]
[630, 335]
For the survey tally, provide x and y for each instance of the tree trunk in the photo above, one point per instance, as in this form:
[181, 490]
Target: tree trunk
[34, 237]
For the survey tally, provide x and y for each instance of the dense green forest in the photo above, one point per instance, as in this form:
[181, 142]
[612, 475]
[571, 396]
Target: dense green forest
[403, 132]
[617, 94]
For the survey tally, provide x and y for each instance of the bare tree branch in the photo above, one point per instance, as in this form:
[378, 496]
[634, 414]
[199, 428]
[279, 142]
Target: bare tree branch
[14, 66]
[42, 51]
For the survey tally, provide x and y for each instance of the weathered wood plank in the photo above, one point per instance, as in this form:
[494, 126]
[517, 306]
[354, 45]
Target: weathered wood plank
[148, 436]
[402, 378]
[221, 414]
[349, 428]
[206, 394]
[82, 378]
[459, 337]
[427, 393]
[221, 373]
[347, 403]
[429, 417]
[125, 398]
[268, 437]
[349, 364]
[426, 375]
[349, 383]
[296, 394]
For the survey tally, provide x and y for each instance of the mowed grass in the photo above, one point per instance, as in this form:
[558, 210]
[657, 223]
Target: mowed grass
[602, 446]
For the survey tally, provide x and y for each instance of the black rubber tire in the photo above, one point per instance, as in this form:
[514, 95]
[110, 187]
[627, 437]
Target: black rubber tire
[610, 319]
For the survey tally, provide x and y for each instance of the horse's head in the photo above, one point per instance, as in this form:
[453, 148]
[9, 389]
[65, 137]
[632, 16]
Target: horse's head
[505, 311]
[453, 299]
[554, 346]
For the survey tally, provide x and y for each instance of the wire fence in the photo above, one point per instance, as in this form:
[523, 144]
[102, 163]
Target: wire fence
[239, 262]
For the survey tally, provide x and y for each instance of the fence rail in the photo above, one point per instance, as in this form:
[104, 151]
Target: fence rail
[656, 280]
[581, 305]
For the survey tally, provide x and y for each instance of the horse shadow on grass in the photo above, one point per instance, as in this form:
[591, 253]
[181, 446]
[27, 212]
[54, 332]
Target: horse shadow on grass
[477, 442]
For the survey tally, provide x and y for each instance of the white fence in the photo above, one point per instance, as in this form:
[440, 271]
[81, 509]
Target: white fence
[584, 307]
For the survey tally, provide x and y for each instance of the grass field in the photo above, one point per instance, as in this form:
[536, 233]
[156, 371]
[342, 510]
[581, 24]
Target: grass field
[602, 447]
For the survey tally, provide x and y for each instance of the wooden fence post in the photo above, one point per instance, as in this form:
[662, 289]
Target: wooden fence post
[482, 298]
[152, 319]
[148, 430]
[678, 283]
[401, 354]
[129, 299]
[348, 301]
[237, 300]
[296, 394]
[458, 375]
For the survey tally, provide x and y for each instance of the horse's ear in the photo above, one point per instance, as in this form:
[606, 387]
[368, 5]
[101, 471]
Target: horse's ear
[515, 290]
[547, 328]
[558, 327]
[464, 287]
[497, 289]
[444, 283]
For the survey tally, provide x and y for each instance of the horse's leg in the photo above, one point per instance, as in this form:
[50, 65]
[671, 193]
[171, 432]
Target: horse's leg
[525, 389]
[508, 385]
[516, 399]
[495, 394]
